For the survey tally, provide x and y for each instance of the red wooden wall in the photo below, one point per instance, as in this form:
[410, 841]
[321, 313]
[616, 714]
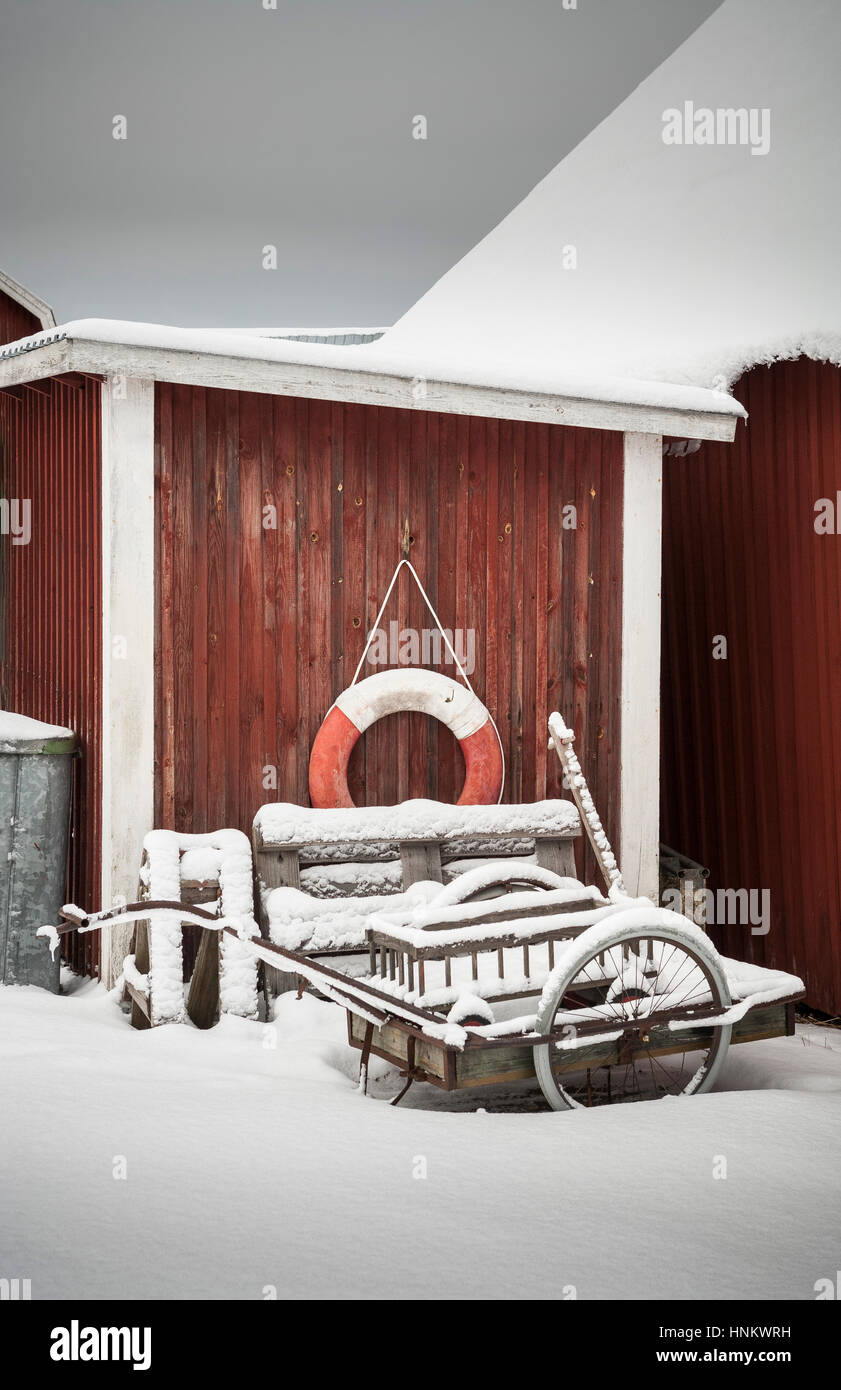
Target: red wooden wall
[51, 599]
[15, 321]
[260, 629]
[751, 773]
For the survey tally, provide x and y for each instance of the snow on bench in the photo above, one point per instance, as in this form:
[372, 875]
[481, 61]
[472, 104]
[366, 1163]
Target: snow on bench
[359, 860]
[298, 921]
[418, 821]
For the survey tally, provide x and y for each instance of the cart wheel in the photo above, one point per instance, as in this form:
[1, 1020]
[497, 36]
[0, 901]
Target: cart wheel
[610, 1012]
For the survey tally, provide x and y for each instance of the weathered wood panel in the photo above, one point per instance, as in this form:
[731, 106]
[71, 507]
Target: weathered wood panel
[751, 753]
[16, 321]
[262, 626]
[504, 1063]
[51, 600]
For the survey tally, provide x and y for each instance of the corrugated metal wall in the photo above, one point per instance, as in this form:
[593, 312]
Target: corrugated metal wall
[51, 661]
[260, 628]
[751, 771]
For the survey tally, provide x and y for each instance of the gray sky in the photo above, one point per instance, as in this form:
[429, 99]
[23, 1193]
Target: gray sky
[291, 126]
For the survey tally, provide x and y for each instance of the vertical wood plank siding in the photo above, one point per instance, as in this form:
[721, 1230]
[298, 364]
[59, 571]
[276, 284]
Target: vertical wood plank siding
[15, 321]
[260, 629]
[51, 657]
[751, 770]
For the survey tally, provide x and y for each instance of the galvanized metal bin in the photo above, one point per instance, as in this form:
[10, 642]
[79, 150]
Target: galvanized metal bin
[36, 780]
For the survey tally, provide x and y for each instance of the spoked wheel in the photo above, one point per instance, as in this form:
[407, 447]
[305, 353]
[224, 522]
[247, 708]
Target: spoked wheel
[612, 1015]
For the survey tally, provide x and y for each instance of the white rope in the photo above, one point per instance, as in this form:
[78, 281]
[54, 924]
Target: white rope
[426, 600]
[443, 633]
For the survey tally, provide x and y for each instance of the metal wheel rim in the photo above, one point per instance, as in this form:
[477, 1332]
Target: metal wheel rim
[588, 1091]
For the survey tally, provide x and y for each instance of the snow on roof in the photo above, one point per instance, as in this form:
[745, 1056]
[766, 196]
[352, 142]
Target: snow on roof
[429, 363]
[638, 272]
[694, 261]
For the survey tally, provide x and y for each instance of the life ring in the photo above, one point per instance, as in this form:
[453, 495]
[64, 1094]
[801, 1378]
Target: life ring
[389, 692]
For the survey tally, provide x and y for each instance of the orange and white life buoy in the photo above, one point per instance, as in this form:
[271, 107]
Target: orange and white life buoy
[390, 692]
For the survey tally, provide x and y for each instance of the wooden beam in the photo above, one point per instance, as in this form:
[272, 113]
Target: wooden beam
[374, 847]
[138, 999]
[128, 627]
[338, 382]
[35, 363]
[77, 380]
[557, 855]
[203, 995]
[639, 831]
[420, 862]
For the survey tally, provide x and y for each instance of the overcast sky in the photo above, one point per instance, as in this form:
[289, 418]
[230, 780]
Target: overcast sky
[250, 126]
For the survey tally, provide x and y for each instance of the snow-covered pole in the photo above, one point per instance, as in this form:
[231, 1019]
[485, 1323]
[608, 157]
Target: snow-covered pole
[562, 739]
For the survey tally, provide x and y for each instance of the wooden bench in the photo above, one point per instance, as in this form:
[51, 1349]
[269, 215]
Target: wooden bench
[387, 849]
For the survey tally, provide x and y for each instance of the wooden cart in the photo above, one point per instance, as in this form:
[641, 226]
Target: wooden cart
[603, 1001]
[509, 970]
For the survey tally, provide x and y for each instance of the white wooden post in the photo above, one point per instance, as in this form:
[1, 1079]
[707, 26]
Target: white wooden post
[128, 645]
[640, 734]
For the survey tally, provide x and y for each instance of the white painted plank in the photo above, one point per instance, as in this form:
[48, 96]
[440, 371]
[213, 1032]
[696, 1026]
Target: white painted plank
[128, 645]
[368, 388]
[640, 733]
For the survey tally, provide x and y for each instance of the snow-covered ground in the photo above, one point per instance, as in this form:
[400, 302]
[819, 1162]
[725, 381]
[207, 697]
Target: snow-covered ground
[253, 1163]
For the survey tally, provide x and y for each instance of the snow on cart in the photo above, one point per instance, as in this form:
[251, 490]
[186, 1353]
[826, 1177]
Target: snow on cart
[459, 942]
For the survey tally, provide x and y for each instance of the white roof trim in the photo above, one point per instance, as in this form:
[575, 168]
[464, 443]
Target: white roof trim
[365, 375]
[21, 295]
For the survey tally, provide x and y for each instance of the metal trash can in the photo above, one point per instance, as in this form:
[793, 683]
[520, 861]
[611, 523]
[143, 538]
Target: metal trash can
[36, 781]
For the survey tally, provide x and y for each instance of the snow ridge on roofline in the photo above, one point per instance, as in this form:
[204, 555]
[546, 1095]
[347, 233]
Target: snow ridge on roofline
[731, 363]
[546, 377]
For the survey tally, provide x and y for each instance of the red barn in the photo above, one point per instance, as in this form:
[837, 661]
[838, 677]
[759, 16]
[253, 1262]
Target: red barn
[197, 648]
[215, 519]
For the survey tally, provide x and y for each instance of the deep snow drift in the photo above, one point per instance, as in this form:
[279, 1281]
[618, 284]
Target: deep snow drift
[252, 1162]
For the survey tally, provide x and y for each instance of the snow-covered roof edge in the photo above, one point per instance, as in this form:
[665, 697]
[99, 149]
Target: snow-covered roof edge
[370, 373]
